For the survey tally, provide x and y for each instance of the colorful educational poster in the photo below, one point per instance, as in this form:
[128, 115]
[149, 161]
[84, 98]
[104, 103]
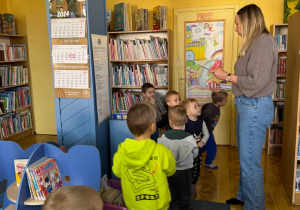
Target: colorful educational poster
[204, 45]
[100, 57]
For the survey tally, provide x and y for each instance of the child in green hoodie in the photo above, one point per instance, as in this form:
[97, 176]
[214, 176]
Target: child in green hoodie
[143, 165]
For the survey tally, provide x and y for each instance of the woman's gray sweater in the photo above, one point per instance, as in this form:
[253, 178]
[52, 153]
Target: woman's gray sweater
[257, 70]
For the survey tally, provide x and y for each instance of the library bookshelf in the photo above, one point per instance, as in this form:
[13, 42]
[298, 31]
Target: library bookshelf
[17, 80]
[290, 161]
[121, 42]
[275, 131]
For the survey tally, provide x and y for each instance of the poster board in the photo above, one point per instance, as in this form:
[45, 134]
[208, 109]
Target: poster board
[204, 47]
[100, 57]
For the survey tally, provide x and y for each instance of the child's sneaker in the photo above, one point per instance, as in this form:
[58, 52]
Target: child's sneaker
[212, 166]
[193, 191]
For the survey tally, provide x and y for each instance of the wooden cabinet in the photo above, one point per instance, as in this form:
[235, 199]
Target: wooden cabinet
[137, 57]
[275, 131]
[292, 110]
[16, 119]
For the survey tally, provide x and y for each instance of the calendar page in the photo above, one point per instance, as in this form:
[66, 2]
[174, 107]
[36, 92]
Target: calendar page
[70, 54]
[75, 79]
[68, 28]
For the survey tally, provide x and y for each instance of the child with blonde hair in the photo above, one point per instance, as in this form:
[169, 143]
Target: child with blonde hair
[196, 126]
[74, 197]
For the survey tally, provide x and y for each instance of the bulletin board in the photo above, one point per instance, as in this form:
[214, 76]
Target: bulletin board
[204, 47]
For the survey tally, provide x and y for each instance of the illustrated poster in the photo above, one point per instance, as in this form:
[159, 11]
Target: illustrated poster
[204, 46]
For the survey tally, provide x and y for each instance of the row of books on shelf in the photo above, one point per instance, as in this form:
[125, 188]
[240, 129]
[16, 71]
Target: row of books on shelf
[7, 23]
[138, 49]
[13, 123]
[123, 100]
[280, 91]
[278, 113]
[137, 75]
[14, 98]
[281, 70]
[123, 18]
[298, 150]
[281, 40]
[275, 136]
[13, 52]
[43, 178]
[13, 75]
[297, 185]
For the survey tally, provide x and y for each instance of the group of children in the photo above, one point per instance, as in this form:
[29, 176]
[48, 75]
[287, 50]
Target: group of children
[160, 175]
[163, 175]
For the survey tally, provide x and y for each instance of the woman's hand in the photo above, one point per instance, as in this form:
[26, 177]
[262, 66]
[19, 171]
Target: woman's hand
[219, 74]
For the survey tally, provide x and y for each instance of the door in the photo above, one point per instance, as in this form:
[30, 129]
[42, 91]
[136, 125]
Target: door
[225, 130]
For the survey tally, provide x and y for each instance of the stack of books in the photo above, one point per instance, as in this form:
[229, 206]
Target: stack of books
[43, 178]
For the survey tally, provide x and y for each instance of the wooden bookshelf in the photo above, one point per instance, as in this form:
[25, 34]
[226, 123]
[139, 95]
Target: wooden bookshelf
[11, 39]
[13, 61]
[141, 35]
[271, 149]
[292, 111]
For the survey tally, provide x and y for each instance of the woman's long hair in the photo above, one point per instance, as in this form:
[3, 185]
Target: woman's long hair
[252, 23]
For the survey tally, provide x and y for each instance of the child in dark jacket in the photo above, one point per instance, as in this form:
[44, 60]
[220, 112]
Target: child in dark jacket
[211, 114]
[196, 126]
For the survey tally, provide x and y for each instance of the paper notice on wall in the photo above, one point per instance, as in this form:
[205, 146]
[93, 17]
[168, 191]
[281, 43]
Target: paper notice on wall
[75, 79]
[70, 54]
[68, 28]
[99, 44]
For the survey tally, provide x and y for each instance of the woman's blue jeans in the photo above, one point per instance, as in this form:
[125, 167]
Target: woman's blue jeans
[254, 116]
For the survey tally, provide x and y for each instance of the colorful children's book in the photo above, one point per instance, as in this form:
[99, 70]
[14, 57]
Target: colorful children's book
[7, 24]
[108, 19]
[159, 17]
[44, 177]
[119, 10]
[20, 165]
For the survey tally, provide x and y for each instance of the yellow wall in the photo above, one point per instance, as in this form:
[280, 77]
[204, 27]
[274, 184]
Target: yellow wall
[26, 11]
[31, 19]
[3, 8]
[272, 14]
